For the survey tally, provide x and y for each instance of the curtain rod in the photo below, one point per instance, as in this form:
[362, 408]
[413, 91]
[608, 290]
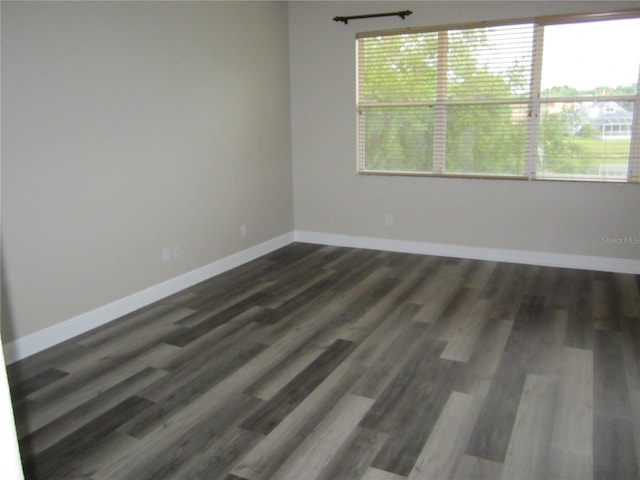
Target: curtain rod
[401, 14]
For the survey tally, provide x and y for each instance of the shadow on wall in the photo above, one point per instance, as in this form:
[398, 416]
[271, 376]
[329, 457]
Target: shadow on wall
[7, 327]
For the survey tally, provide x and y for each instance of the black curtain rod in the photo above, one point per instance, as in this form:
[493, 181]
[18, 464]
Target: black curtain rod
[401, 14]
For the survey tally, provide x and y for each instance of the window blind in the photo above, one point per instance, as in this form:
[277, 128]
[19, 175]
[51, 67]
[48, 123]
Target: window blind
[499, 101]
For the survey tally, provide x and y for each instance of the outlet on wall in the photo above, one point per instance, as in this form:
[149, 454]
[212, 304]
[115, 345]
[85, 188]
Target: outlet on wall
[243, 231]
[177, 252]
[388, 220]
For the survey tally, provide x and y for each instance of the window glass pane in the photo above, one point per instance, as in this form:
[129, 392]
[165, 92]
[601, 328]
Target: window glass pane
[584, 140]
[397, 138]
[597, 58]
[461, 101]
[489, 63]
[399, 68]
[486, 139]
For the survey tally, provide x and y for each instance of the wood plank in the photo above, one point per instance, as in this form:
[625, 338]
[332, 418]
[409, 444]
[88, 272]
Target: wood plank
[170, 457]
[410, 406]
[528, 453]
[479, 374]
[491, 435]
[456, 310]
[373, 473]
[218, 459]
[475, 468]
[437, 293]
[335, 303]
[299, 301]
[573, 424]
[112, 351]
[22, 388]
[370, 309]
[580, 321]
[442, 453]
[391, 362]
[630, 337]
[607, 312]
[73, 391]
[478, 277]
[534, 345]
[635, 420]
[54, 461]
[389, 301]
[110, 449]
[627, 295]
[609, 379]
[316, 451]
[74, 419]
[426, 352]
[53, 357]
[566, 465]
[269, 415]
[274, 381]
[184, 336]
[224, 304]
[560, 294]
[464, 331]
[614, 453]
[269, 454]
[506, 288]
[385, 333]
[571, 453]
[185, 392]
[146, 320]
[212, 343]
[295, 281]
[355, 455]
[202, 369]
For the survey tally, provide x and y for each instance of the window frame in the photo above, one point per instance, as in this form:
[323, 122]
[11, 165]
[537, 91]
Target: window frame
[534, 102]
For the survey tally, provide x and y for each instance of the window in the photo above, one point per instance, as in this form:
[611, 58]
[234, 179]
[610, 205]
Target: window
[554, 98]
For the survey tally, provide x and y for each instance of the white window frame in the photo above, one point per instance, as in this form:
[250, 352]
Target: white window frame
[533, 101]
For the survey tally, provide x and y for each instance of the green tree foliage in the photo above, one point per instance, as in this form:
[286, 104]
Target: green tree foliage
[557, 152]
[485, 139]
[404, 69]
[398, 69]
[486, 135]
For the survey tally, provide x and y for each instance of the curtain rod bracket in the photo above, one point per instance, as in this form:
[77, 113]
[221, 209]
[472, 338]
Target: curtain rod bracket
[402, 15]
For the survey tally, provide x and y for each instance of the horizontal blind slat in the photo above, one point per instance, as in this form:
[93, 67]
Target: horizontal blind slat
[477, 107]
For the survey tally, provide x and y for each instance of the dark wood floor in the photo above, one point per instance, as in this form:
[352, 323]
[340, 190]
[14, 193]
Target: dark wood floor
[336, 363]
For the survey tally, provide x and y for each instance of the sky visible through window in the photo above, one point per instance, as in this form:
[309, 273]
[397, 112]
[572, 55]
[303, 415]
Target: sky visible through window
[572, 51]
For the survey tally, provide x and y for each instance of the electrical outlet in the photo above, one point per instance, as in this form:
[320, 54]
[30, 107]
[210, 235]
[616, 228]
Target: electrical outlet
[243, 231]
[166, 254]
[388, 220]
[177, 252]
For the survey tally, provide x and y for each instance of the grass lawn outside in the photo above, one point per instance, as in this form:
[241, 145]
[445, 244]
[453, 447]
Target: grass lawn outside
[593, 158]
[605, 151]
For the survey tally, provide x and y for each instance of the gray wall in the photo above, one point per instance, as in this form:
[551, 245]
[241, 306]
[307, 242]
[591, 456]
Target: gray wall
[128, 127]
[330, 197]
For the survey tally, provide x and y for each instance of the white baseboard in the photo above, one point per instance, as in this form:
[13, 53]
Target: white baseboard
[563, 260]
[45, 338]
[40, 340]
